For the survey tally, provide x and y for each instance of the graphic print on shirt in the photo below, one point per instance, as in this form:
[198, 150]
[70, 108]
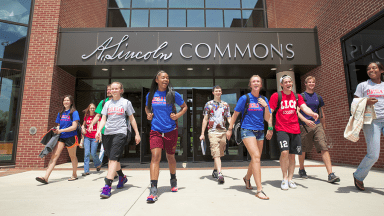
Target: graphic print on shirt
[65, 118]
[159, 100]
[255, 107]
[285, 104]
[218, 117]
[217, 112]
[375, 93]
[115, 111]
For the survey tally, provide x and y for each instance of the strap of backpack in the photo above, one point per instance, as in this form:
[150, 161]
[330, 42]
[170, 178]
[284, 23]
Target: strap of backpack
[245, 108]
[319, 108]
[279, 98]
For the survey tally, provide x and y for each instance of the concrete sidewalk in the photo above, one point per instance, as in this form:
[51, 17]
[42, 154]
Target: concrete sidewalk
[199, 194]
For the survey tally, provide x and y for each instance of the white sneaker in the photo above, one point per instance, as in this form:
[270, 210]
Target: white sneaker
[292, 185]
[284, 185]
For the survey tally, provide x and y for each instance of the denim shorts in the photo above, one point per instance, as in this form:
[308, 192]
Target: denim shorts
[246, 133]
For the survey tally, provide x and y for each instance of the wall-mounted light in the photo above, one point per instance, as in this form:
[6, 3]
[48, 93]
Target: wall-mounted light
[104, 69]
[290, 69]
[273, 68]
[208, 68]
[122, 69]
[190, 69]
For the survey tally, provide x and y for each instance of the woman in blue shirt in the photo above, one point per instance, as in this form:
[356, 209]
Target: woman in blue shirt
[252, 130]
[161, 110]
[67, 121]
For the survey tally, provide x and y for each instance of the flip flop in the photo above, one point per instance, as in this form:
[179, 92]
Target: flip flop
[42, 180]
[260, 197]
[72, 179]
[248, 182]
[359, 184]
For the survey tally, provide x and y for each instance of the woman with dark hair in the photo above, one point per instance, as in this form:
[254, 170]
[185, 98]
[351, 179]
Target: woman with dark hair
[90, 143]
[252, 130]
[373, 89]
[161, 110]
[67, 121]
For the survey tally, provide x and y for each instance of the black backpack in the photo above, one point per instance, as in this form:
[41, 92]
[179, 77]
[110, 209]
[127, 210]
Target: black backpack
[78, 129]
[237, 127]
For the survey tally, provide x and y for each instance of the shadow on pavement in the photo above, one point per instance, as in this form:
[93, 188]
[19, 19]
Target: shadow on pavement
[353, 189]
[166, 189]
[277, 184]
[242, 189]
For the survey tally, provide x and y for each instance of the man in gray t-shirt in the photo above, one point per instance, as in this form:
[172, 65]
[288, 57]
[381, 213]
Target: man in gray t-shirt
[115, 134]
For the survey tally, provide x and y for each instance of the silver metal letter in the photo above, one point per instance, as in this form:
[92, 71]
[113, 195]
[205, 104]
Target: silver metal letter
[290, 51]
[266, 50]
[280, 53]
[222, 54]
[243, 54]
[181, 50]
[209, 50]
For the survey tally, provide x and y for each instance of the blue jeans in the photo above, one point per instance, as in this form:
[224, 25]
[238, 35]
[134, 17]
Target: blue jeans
[90, 147]
[372, 133]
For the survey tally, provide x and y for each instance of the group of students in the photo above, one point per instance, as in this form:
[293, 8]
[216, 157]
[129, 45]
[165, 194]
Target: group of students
[297, 127]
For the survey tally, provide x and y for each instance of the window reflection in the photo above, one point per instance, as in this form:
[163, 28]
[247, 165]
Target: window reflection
[15, 10]
[10, 79]
[177, 18]
[253, 18]
[222, 3]
[195, 18]
[186, 3]
[139, 18]
[158, 18]
[12, 41]
[214, 18]
[252, 4]
[232, 18]
[120, 3]
[119, 18]
[149, 3]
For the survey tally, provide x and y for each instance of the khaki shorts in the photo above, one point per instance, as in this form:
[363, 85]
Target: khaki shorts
[217, 144]
[314, 135]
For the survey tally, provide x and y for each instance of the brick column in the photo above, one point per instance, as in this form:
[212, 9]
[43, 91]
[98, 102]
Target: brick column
[40, 98]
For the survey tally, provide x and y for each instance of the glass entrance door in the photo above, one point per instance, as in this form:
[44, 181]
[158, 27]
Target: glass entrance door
[181, 148]
[199, 98]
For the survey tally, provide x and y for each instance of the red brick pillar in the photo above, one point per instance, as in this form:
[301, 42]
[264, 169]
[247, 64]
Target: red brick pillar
[42, 89]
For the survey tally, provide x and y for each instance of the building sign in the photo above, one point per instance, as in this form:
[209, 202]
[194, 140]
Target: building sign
[260, 47]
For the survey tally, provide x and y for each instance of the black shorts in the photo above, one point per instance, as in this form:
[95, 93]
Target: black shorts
[287, 141]
[69, 142]
[114, 145]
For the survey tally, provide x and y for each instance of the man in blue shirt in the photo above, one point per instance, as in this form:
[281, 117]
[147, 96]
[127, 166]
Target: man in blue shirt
[312, 132]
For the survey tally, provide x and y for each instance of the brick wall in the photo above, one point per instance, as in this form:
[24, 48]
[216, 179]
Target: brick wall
[333, 19]
[45, 83]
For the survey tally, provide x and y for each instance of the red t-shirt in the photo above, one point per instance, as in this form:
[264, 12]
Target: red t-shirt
[88, 121]
[286, 117]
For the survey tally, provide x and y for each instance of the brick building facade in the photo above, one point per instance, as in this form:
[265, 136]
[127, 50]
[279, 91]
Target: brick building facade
[45, 83]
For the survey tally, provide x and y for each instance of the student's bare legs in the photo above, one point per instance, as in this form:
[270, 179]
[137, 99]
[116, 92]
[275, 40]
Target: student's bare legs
[253, 146]
[72, 155]
[171, 163]
[113, 166]
[327, 161]
[291, 167]
[301, 160]
[284, 163]
[217, 164]
[55, 155]
[155, 163]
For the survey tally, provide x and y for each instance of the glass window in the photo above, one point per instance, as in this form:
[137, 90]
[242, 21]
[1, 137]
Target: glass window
[120, 3]
[15, 10]
[222, 3]
[195, 18]
[84, 98]
[119, 18]
[366, 40]
[253, 18]
[12, 41]
[139, 18]
[252, 4]
[214, 18]
[232, 18]
[149, 3]
[158, 18]
[177, 18]
[186, 3]
[10, 79]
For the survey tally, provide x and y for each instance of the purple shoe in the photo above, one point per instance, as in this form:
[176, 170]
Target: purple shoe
[106, 192]
[122, 181]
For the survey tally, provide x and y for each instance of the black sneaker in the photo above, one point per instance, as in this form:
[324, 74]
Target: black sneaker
[332, 178]
[214, 174]
[303, 174]
[152, 195]
[220, 178]
[174, 185]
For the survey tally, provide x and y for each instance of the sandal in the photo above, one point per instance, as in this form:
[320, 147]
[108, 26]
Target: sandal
[84, 174]
[42, 180]
[73, 178]
[359, 184]
[98, 168]
[263, 198]
[248, 183]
